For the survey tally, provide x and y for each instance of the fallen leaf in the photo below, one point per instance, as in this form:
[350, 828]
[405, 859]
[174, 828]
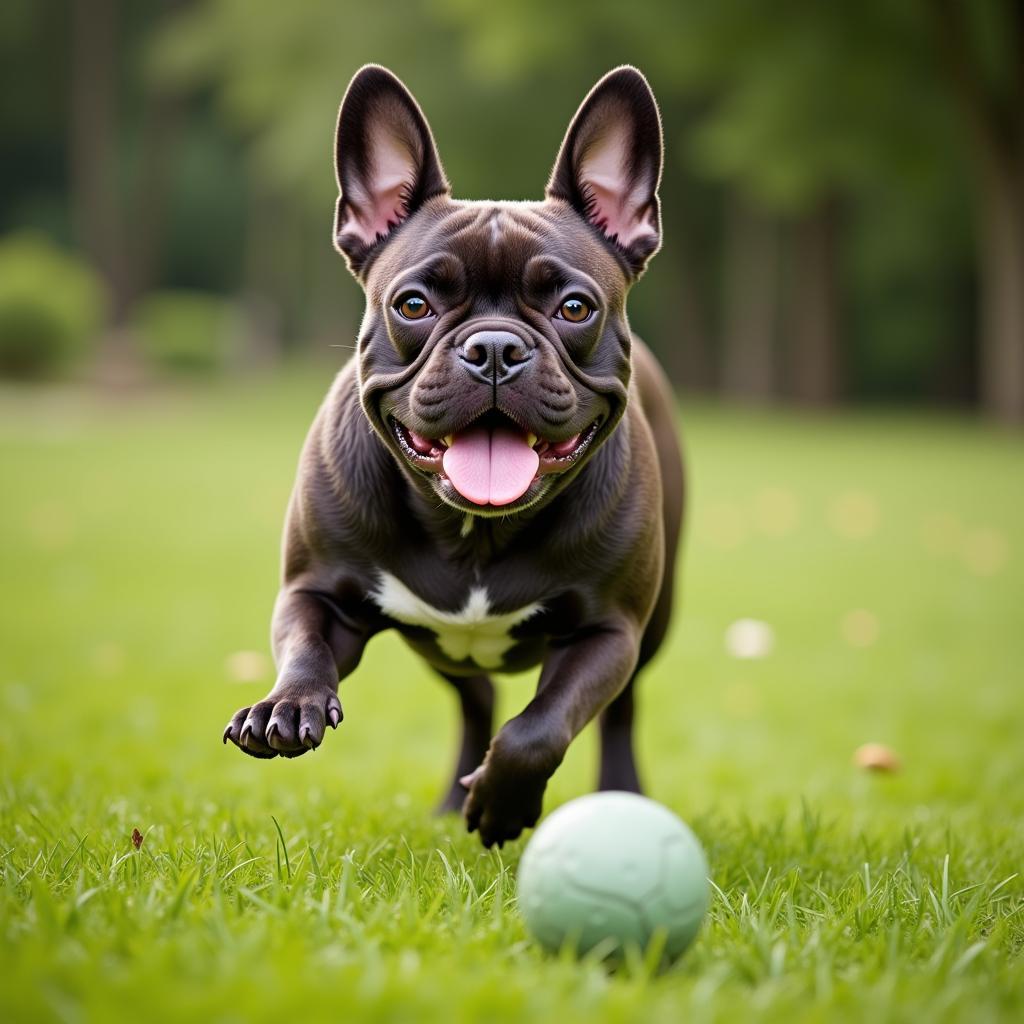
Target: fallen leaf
[876, 757]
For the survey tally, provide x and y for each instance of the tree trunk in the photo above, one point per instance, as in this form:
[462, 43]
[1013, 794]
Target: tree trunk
[813, 307]
[992, 107]
[93, 144]
[120, 231]
[751, 303]
[1001, 262]
[680, 326]
[261, 298]
[146, 232]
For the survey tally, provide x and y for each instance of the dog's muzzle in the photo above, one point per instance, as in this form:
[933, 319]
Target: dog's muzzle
[494, 357]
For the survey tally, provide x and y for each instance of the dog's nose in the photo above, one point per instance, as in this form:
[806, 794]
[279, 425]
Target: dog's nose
[494, 357]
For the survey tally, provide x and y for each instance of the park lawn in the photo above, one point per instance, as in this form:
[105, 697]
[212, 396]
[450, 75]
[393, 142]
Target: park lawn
[138, 550]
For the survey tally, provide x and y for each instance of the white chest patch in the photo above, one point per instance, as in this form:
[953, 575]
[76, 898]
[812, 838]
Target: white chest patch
[472, 632]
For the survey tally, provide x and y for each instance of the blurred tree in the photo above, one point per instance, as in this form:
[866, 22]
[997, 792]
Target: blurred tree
[34, 39]
[911, 294]
[753, 240]
[118, 211]
[815, 306]
[95, 198]
[982, 49]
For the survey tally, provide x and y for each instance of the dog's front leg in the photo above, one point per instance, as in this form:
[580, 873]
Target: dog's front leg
[580, 676]
[313, 649]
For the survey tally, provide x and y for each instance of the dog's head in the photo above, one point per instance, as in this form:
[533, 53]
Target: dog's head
[494, 355]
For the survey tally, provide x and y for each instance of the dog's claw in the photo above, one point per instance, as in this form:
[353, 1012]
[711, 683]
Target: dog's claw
[282, 725]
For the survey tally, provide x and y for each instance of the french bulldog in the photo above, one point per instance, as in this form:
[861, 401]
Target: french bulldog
[496, 474]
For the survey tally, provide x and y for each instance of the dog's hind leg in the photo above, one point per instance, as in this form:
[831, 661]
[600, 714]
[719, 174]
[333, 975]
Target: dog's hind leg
[618, 762]
[476, 702]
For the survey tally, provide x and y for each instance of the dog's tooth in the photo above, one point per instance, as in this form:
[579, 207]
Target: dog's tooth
[448, 440]
[531, 439]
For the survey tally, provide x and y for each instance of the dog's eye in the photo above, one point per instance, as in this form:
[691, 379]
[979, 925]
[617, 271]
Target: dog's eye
[575, 310]
[413, 307]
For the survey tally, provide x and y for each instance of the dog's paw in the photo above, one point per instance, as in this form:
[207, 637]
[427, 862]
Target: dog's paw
[282, 725]
[500, 808]
[506, 793]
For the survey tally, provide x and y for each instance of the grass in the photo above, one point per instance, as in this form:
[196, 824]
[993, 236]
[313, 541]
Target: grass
[138, 548]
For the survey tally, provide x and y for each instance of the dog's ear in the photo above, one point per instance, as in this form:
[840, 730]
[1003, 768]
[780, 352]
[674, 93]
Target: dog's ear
[385, 161]
[609, 166]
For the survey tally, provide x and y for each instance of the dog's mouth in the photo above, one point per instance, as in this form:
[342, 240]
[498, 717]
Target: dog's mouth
[492, 461]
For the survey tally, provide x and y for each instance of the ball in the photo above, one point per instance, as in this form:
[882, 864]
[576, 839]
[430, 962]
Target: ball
[613, 869]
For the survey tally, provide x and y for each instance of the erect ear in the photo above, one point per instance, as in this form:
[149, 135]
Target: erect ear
[609, 166]
[385, 160]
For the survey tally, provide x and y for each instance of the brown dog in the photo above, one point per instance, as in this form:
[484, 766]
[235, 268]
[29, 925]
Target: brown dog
[497, 474]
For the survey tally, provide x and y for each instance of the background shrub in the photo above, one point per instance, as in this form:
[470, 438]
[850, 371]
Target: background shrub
[184, 332]
[51, 307]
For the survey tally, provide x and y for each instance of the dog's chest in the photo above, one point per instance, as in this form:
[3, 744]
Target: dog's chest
[473, 632]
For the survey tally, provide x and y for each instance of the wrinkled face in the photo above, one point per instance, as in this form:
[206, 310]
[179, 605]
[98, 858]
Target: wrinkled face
[494, 353]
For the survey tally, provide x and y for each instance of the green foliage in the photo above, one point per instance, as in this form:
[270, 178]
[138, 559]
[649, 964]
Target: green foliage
[185, 332]
[796, 98]
[280, 75]
[50, 307]
[206, 229]
[144, 551]
[908, 316]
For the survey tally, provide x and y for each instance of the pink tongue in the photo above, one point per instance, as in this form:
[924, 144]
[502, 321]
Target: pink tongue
[490, 466]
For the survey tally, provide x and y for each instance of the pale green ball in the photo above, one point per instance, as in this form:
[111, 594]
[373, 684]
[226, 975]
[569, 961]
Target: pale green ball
[613, 868]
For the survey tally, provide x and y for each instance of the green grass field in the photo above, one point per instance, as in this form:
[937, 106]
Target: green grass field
[138, 548]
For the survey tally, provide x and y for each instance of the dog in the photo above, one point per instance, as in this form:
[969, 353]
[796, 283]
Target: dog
[496, 474]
